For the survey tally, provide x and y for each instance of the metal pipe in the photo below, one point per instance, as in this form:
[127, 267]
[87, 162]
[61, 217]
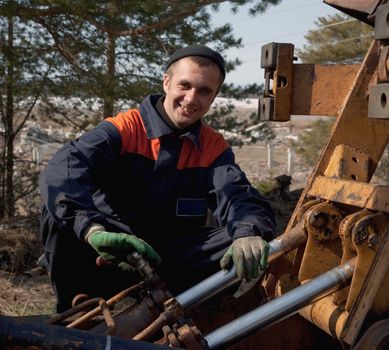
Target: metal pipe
[153, 328]
[224, 279]
[110, 302]
[281, 307]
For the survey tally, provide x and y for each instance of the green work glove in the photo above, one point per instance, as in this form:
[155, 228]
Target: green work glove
[115, 247]
[247, 254]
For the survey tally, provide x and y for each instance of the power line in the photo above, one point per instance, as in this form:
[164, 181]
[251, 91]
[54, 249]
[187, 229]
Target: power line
[304, 31]
[273, 13]
[327, 44]
[349, 39]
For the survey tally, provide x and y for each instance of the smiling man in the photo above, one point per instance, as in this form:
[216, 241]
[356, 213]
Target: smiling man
[145, 181]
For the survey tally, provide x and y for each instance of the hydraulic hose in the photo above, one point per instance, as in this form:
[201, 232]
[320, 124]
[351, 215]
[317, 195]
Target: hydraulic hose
[16, 334]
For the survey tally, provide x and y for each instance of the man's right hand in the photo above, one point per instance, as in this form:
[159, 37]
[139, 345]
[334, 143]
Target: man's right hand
[115, 247]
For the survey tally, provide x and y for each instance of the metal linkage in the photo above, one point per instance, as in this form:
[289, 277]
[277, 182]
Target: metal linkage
[94, 312]
[172, 312]
[281, 307]
[379, 95]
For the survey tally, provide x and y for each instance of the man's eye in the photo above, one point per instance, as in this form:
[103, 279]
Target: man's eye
[205, 92]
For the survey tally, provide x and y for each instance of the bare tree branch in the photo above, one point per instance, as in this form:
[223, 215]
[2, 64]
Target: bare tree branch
[64, 52]
[38, 93]
[55, 109]
[189, 10]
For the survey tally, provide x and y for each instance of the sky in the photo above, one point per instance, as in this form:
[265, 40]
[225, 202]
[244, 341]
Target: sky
[287, 22]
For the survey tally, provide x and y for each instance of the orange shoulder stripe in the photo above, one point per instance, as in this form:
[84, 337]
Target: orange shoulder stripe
[133, 134]
[212, 144]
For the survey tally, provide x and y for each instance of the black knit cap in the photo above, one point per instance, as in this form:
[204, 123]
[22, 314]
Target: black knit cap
[198, 50]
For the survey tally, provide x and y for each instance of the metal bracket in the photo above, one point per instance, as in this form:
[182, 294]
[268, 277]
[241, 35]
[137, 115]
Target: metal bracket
[301, 89]
[323, 250]
[269, 56]
[378, 106]
[379, 101]
[277, 59]
[349, 163]
[266, 108]
[381, 26]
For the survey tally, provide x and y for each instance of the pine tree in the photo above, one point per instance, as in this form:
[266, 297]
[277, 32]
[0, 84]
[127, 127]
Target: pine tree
[77, 61]
[337, 39]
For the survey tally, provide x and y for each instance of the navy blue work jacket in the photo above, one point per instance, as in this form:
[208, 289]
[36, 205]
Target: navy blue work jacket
[132, 173]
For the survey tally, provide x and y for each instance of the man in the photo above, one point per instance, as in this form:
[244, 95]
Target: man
[144, 181]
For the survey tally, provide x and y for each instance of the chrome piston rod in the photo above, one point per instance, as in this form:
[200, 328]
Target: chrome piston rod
[281, 307]
[223, 279]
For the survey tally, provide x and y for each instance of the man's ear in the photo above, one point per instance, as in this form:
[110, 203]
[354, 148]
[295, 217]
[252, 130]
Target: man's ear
[166, 82]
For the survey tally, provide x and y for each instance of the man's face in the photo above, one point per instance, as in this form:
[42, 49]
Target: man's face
[190, 91]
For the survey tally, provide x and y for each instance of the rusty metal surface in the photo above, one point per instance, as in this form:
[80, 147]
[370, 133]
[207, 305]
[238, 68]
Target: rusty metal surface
[358, 194]
[278, 278]
[349, 250]
[190, 337]
[301, 89]
[361, 233]
[348, 163]
[366, 236]
[379, 101]
[367, 6]
[282, 82]
[288, 241]
[383, 73]
[368, 135]
[79, 307]
[173, 310]
[348, 160]
[375, 286]
[277, 102]
[269, 56]
[360, 9]
[323, 250]
[381, 30]
[110, 302]
[321, 89]
[132, 320]
[327, 315]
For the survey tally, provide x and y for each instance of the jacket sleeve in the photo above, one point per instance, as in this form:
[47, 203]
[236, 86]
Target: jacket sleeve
[71, 177]
[236, 203]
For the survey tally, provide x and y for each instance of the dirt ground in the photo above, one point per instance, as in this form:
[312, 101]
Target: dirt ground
[20, 249]
[21, 295]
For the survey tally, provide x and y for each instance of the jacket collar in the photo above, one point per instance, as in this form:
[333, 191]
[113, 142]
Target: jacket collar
[157, 127]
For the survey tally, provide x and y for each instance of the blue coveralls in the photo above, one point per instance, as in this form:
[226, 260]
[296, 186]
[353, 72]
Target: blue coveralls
[133, 173]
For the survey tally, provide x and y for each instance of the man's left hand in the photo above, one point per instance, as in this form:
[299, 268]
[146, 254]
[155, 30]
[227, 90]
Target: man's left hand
[247, 254]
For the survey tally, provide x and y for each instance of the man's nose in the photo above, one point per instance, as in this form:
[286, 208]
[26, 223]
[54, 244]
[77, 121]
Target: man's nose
[190, 95]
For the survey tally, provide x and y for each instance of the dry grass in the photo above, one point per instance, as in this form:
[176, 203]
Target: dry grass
[20, 248]
[22, 296]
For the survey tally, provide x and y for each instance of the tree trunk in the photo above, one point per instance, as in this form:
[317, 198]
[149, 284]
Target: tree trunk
[109, 93]
[2, 173]
[9, 205]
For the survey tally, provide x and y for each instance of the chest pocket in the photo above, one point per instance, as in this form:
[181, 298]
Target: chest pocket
[191, 207]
